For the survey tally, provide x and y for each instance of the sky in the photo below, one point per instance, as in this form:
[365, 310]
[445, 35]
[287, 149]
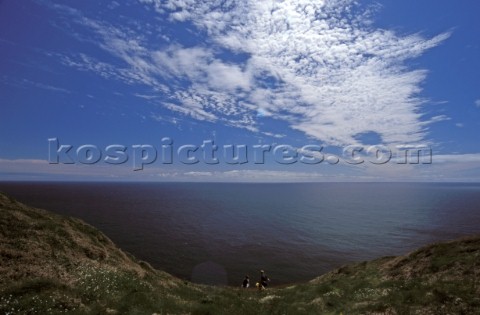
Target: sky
[318, 84]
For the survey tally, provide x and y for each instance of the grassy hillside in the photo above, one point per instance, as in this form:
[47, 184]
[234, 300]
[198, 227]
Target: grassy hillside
[51, 264]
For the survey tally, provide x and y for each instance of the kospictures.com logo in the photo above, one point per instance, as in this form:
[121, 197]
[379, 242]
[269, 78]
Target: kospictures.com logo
[210, 153]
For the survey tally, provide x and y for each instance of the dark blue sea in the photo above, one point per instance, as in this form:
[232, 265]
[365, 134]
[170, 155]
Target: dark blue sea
[217, 232]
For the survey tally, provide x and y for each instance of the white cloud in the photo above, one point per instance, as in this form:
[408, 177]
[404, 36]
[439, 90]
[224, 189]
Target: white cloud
[145, 96]
[22, 162]
[274, 135]
[31, 169]
[437, 119]
[26, 84]
[229, 77]
[199, 174]
[213, 84]
[457, 158]
[339, 77]
[452, 167]
[318, 65]
[200, 66]
[477, 103]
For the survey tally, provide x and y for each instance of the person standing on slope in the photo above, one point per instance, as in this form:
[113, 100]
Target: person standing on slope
[246, 282]
[263, 280]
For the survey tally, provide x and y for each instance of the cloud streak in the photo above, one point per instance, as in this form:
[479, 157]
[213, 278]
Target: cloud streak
[443, 167]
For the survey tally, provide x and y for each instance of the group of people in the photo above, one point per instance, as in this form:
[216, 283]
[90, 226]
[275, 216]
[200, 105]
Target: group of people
[261, 285]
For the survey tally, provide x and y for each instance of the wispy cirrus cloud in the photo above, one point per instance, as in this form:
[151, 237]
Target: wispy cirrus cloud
[320, 66]
[26, 84]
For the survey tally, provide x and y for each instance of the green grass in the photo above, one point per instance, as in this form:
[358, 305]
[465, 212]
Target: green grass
[57, 265]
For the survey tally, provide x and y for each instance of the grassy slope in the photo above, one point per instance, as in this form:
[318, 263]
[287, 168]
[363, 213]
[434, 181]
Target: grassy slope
[51, 264]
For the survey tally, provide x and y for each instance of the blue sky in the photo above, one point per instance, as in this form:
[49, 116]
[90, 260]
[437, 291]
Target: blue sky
[332, 73]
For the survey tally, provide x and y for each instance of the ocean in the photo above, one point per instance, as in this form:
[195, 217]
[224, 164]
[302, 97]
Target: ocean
[216, 233]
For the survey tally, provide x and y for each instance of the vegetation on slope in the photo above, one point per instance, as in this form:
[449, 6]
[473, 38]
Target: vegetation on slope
[51, 264]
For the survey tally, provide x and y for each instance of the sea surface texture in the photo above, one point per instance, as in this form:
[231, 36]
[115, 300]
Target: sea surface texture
[216, 233]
